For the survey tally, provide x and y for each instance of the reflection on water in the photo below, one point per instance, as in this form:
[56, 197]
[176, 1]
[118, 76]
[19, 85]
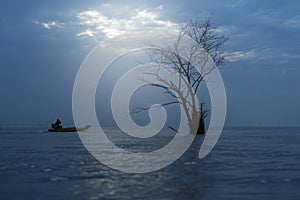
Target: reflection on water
[245, 164]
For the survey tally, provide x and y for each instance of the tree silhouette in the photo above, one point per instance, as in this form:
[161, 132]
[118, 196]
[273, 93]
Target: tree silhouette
[206, 37]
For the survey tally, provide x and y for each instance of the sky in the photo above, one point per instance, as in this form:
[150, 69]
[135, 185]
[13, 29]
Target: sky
[43, 43]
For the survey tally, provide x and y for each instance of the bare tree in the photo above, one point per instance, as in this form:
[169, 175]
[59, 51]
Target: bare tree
[205, 36]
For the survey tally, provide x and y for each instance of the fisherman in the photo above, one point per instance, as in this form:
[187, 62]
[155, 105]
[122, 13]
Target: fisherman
[57, 124]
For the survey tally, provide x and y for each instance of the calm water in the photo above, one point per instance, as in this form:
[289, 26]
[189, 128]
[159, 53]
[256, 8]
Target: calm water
[246, 164]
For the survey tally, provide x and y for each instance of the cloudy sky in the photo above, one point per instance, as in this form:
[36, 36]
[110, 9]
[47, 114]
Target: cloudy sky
[43, 43]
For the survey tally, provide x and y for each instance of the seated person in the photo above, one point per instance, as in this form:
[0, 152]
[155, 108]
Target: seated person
[57, 125]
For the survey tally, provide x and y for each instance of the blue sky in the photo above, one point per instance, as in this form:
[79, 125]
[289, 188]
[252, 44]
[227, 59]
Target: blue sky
[44, 42]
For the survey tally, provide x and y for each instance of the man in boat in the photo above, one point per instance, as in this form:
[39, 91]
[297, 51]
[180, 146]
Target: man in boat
[57, 124]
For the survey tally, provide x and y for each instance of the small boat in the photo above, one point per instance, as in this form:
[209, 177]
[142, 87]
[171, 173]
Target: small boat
[69, 129]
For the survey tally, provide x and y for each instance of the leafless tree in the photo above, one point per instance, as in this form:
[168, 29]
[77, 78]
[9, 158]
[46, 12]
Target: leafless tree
[205, 36]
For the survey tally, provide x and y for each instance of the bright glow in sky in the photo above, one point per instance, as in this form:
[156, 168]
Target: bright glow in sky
[44, 43]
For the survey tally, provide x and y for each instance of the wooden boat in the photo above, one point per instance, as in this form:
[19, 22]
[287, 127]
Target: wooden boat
[69, 129]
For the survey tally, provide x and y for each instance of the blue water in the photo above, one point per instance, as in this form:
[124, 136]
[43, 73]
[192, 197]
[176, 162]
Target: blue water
[247, 163]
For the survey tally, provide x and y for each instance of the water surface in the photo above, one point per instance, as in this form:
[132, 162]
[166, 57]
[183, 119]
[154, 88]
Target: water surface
[247, 163]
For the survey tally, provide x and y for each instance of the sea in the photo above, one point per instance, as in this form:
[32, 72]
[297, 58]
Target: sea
[246, 164]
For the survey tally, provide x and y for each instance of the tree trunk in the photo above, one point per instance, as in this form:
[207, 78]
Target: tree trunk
[201, 126]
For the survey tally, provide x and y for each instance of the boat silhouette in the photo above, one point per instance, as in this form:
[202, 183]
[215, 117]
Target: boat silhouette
[57, 127]
[69, 129]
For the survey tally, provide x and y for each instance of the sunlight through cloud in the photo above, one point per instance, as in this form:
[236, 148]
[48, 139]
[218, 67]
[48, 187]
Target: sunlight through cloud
[97, 24]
